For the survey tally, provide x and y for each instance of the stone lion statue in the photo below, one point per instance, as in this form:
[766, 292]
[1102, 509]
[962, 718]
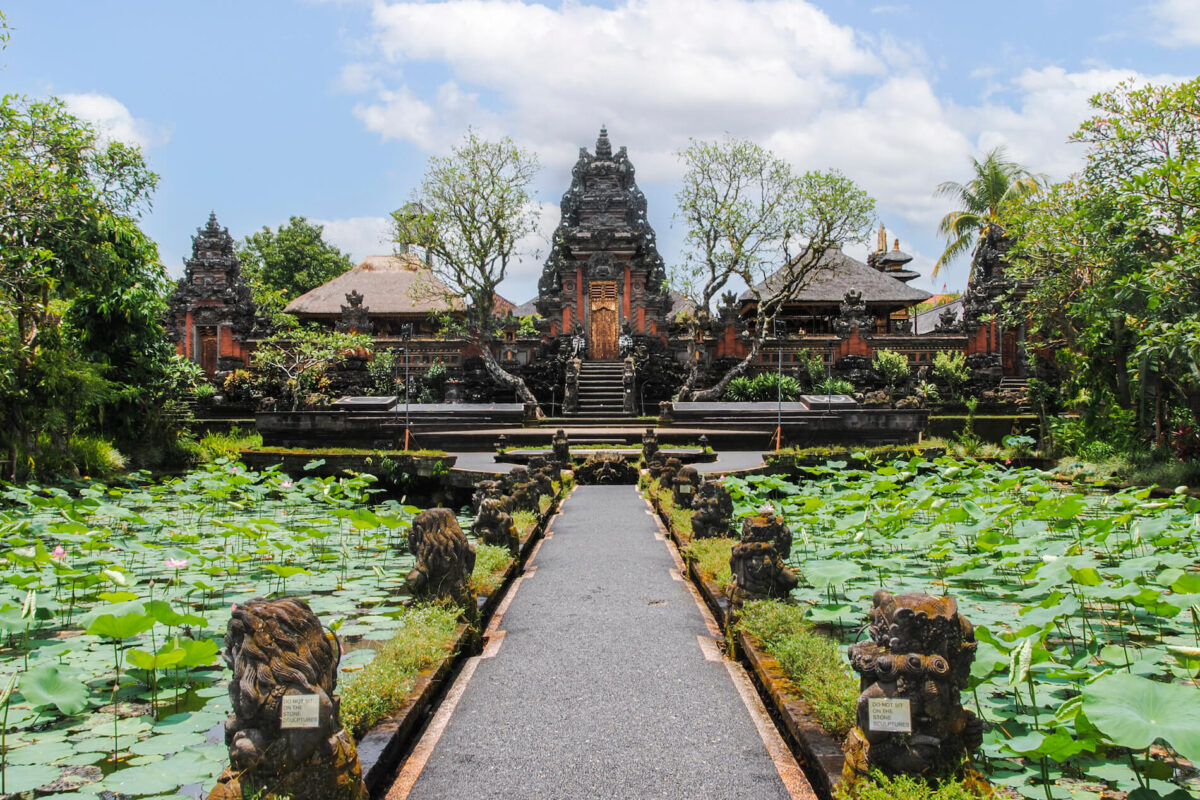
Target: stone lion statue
[445, 559]
[278, 648]
[494, 525]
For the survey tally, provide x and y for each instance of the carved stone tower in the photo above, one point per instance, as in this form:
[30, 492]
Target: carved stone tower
[211, 315]
[603, 271]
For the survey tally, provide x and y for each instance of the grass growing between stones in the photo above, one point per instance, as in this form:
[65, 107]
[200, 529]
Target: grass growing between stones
[811, 661]
[425, 639]
[712, 560]
[903, 787]
[525, 521]
[228, 445]
[491, 565]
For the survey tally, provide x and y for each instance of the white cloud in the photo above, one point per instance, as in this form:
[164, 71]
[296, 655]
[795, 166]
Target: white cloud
[1178, 22]
[358, 236]
[113, 120]
[660, 71]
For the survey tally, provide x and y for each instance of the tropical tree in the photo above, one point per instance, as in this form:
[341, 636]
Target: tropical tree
[1109, 258]
[81, 287]
[996, 183]
[470, 214]
[752, 219]
[282, 264]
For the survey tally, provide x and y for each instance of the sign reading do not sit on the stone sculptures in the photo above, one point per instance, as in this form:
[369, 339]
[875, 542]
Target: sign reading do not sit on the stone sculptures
[889, 715]
[300, 711]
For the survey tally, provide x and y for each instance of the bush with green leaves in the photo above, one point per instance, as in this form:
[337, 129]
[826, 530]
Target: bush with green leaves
[834, 386]
[951, 371]
[763, 387]
[892, 366]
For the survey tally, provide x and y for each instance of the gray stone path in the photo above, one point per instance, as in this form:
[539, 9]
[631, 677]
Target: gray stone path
[599, 686]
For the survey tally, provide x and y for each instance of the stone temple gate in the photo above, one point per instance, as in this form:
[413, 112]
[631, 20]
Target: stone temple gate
[604, 274]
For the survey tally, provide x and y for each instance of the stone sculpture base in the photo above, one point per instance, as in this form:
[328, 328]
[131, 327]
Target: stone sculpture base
[331, 773]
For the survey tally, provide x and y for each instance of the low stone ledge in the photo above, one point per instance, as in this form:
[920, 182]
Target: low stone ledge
[820, 754]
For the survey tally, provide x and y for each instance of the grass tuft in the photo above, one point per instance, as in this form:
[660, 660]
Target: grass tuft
[491, 564]
[811, 661]
[712, 560]
[427, 637]
[525, 521]
[902, 787]
[228, 445]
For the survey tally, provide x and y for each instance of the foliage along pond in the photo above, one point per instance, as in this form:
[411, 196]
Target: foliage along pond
[1086, 607]
[138, 581]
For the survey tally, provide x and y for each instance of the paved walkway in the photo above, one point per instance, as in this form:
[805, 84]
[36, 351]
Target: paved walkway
[730, 461]
[602, 678]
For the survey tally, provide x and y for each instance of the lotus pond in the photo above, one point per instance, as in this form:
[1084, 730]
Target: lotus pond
[114, 600]
[1086, 607]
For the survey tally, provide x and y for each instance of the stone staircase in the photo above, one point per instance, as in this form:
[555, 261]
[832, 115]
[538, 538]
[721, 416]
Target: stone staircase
[601, 392]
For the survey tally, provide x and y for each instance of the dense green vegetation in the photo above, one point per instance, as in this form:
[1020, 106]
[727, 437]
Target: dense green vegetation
[1086, 606]
[282, 264]
[121, 592]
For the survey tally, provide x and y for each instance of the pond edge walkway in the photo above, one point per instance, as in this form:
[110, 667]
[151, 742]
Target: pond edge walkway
[743, 744]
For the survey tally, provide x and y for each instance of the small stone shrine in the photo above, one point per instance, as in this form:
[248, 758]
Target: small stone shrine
[712, 511]
[606, 469]
[562, 448]
[445, 559]
[284, 735]
[684, 486]
[494, 525]
[354, 317]
[913, 672]
[649, 445]
[757, 560]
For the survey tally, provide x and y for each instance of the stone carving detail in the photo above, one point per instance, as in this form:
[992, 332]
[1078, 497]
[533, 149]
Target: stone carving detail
[543, 473]
[488, 490]
[522, 490]
[628, 385]
[354, 315]
[712, 511]
[606, 469]
[757, 560]
[445, 558]
[562, 448]
[278, 648]
[921, 651]
[853, 315]
[602, 230]
[666, 413]
[571, 387]
[948, 322]
[656, 465]
[494, 525]
[213, 292]
[684, 486]
[666, 476]
[649, 446]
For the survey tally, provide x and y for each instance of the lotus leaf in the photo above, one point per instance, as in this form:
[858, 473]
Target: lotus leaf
[1133, 712]
[50, 685]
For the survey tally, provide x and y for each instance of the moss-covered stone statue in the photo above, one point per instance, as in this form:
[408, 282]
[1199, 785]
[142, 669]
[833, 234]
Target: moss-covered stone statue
[281, 657]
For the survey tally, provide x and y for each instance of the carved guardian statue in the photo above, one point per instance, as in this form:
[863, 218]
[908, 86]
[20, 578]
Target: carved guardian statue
[445, 559]
[712, 511]
[649, 445]
[684, 486]
[919, 657]
[757, 560]
[494, 525]
[278, 649]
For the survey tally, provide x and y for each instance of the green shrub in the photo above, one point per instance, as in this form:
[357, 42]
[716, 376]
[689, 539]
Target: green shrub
[892, 366]
[205, 392]
[901, 787]
[96, 457]
[228, 445]
[491, 564]
[811, 661]
[525, 521]
[834, 386]
[426, 638]
[950, 369]
[763, 387]
[740, 390]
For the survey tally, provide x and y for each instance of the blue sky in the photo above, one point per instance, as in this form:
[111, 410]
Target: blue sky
[264, 109]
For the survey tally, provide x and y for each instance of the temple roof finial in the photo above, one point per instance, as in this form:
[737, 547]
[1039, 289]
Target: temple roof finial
[603, 146]
[881, 246]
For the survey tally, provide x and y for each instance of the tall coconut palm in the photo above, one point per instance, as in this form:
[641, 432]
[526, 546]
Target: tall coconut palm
[996, 183]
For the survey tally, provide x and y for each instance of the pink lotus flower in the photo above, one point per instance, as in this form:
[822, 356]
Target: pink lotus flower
[285, 484]
[176, 563]
[59, 553]
[233, 607]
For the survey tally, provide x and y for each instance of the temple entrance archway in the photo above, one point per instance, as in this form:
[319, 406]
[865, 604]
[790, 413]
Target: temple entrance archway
[603, 319]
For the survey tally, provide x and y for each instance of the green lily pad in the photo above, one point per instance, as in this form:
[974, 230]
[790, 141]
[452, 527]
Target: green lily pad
[50, 685]
[1133, 712]
[23, 777]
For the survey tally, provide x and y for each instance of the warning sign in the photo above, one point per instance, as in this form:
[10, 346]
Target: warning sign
[889, 715]
[300, 711]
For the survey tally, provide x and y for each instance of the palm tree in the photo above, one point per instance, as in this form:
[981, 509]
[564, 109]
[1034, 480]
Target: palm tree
[997, 182]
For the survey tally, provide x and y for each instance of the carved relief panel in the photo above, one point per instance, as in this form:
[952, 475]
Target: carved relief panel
[603, 319]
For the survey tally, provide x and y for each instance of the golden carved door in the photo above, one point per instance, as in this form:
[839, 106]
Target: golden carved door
[603, 338]
[209, 350]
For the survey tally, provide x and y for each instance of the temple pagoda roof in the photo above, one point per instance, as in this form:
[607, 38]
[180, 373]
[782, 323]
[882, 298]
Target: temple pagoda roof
[846, 273]
[390, 285]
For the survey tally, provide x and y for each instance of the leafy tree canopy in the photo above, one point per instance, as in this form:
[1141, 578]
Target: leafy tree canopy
[282, 264]
[471, 213]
